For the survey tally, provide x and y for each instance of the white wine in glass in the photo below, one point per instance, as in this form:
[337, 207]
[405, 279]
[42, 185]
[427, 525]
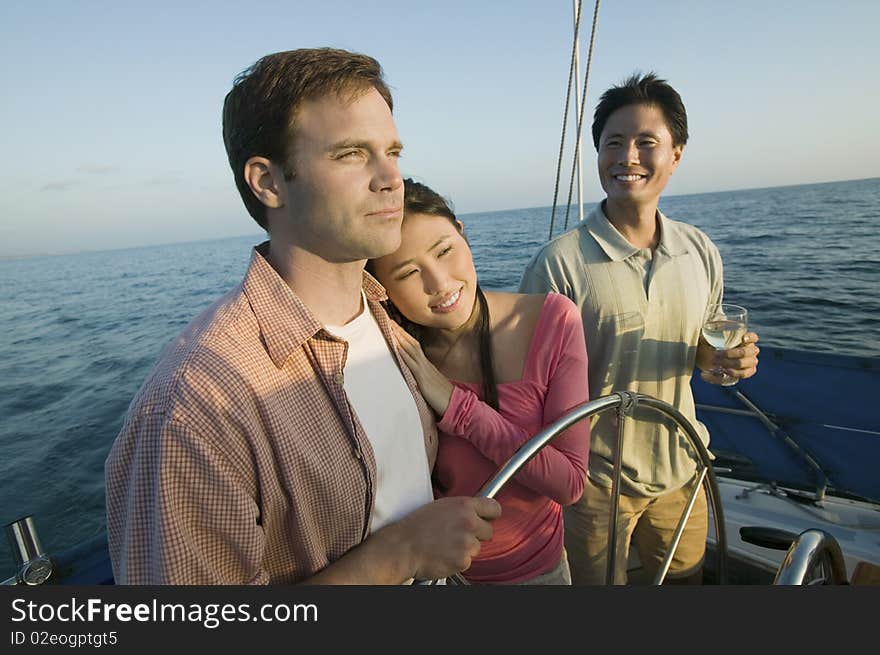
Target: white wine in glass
[724, 328]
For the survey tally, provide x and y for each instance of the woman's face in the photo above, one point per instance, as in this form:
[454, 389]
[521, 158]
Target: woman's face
[431, 277]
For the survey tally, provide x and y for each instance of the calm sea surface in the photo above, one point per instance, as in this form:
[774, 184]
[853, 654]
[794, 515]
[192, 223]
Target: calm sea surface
[80, 332]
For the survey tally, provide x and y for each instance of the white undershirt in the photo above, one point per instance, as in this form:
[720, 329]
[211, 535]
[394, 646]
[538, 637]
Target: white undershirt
[380, 397]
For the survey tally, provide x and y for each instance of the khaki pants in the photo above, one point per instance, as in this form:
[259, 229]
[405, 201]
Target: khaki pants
[651, 522]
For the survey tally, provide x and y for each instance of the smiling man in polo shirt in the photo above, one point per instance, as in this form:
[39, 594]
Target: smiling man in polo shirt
[643, 283]
[280, 438]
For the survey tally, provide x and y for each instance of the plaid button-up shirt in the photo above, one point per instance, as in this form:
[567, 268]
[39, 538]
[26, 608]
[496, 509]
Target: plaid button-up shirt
[241, 460]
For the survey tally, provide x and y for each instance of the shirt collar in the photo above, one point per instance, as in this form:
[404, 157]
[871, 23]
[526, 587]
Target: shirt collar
[615, 245]
[285, 321]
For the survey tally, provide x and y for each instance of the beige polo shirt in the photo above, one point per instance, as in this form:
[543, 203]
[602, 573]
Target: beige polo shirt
[642, 313]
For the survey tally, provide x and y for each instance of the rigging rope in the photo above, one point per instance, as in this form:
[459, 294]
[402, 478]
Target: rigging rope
[580, 123]
[565, 113]
[577, 25]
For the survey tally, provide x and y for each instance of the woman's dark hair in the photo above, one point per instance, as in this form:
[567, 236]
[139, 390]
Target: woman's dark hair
[421, 199]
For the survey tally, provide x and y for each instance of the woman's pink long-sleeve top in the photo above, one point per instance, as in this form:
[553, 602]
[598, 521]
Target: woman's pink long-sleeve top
[475, 441]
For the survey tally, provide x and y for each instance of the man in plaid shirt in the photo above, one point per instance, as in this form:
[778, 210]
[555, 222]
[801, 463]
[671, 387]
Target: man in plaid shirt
[280, 438]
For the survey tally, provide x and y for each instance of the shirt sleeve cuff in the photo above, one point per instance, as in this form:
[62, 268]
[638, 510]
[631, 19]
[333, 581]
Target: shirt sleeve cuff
[454, 419]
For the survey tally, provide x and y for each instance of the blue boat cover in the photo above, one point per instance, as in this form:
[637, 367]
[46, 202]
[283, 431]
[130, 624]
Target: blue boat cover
[827, 404]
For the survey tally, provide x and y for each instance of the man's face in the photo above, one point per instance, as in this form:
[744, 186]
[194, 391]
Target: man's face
[636, 155]
[345, 200]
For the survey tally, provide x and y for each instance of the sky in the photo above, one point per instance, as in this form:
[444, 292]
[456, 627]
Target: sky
[111, 110]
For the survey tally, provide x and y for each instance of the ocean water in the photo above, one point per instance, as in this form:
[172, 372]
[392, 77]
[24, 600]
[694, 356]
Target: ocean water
[80, 332]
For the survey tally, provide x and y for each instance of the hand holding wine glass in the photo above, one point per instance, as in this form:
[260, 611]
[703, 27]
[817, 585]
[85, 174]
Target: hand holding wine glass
[724, 327]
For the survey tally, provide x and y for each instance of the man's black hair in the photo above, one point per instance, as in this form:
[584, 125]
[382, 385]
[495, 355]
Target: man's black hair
[643, 90]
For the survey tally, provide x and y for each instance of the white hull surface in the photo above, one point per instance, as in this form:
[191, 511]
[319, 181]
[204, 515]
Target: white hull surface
[855, 524]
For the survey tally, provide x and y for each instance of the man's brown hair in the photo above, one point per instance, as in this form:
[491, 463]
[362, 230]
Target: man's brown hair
[259, 113]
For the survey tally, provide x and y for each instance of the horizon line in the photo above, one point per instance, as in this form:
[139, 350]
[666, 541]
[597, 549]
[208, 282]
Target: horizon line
[82, 251]
[685, 195]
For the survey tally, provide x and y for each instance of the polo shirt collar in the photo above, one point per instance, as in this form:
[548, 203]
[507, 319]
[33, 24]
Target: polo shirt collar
[615, 245]
[672, 242]
[285, 321]
[606, 235]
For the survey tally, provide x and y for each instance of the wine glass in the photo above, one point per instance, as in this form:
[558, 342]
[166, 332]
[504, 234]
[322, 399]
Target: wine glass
[724, 327]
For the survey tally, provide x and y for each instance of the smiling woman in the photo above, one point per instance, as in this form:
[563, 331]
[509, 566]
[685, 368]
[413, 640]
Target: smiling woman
[496, 368]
